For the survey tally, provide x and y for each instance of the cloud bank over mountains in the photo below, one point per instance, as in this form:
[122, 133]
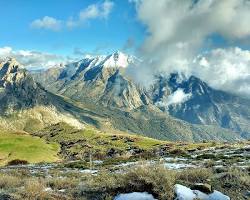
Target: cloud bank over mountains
[180, 32]
[33, 59]
[225, 69]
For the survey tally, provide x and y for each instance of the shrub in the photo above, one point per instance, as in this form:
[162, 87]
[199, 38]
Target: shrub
[206, 156]
[77, 164]
[18, 162]
[178, 152]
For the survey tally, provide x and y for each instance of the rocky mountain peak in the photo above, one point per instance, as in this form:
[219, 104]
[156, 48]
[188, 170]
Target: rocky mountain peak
[7, 66]
[10, 72]
[17, 87]
[117, 59]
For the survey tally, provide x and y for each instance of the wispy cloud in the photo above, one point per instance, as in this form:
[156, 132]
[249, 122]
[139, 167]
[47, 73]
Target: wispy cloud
[48, 23]
[93, 11]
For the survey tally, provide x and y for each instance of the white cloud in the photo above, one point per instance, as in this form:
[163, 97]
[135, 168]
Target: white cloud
[225, 69]
[47, 22]
[176, 98]
[5, 51]
[33, 59]
[94, 11]
[179, 30]
[90, 12]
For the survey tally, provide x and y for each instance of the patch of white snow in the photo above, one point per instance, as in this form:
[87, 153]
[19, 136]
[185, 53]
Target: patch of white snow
[135, 196]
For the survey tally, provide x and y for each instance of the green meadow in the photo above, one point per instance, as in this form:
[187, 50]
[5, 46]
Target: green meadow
[25, 147]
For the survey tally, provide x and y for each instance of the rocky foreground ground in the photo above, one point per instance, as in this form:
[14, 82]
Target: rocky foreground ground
[214, 173]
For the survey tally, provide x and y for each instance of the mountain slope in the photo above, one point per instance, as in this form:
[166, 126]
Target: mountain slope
[102, 87]
[100, 79]
[203, 105]
[24, 104]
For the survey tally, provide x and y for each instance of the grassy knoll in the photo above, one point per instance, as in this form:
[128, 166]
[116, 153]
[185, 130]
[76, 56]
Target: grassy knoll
[25, 147]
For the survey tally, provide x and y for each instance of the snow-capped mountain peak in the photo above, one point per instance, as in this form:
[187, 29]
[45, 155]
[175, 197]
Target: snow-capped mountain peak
[114, 60]
[117, 59]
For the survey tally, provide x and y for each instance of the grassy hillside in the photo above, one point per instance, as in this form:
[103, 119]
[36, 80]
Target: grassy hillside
[76, 144]
[25, 147]
[79, 144]
[35, 118]
[146, 121]
[64, 142]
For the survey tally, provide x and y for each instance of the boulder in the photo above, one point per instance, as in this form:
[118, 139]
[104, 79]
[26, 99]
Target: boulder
[185, 193]
[4, 196]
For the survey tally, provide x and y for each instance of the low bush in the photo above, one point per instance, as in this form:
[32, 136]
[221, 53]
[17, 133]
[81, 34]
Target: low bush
[18, 162]
[179, 152]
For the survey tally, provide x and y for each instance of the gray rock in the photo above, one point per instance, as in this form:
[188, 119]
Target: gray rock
[205, 188]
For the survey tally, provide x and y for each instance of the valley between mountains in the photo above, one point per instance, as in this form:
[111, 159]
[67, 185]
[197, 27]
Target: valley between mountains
[89, 118]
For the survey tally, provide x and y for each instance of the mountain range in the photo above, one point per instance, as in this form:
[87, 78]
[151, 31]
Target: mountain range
[96, 91]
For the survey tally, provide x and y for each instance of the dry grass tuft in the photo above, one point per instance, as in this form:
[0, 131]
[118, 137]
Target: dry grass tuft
[155, 180]
[190, 176]
[8, 181]
[34, 189]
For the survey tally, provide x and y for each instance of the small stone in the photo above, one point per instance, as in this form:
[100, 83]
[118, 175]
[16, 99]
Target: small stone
[48, 189]
[205, 188]
[247, 194]
[4, 196]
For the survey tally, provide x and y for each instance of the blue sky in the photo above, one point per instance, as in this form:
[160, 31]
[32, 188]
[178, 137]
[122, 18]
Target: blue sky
[208, 38]
[119, 29]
